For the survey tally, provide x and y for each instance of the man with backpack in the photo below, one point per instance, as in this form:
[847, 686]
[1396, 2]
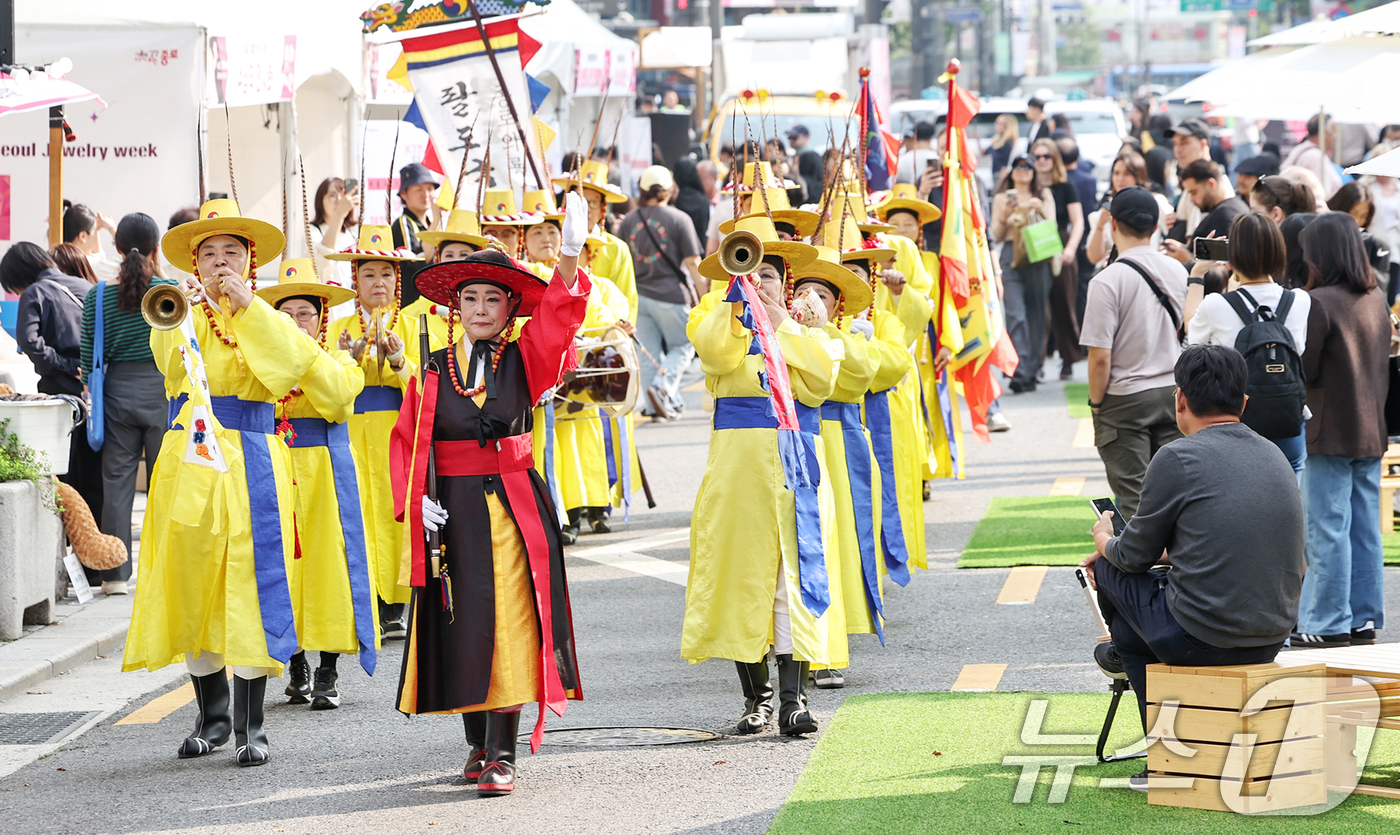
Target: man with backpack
[1132, 328]
[1268, 325]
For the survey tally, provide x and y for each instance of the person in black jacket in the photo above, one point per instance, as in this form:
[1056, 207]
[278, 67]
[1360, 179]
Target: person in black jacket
[691, 197]
[49, 327]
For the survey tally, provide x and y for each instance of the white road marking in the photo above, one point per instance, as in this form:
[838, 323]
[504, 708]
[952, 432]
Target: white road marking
[626, 556]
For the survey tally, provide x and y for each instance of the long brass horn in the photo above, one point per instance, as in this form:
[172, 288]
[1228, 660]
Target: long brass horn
[740, 252]
[164, 307]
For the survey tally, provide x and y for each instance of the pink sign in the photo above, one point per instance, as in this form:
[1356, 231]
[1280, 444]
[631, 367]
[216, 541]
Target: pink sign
[591, 70]
[257, 70]
[4, 207]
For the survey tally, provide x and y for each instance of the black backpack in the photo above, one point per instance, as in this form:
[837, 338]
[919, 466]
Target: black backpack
[1276, 389]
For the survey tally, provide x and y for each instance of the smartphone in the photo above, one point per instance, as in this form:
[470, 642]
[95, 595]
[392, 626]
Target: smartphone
[1102, 505]
[1211, 249]
[933, 163]
[350, 185]
[1090, 595]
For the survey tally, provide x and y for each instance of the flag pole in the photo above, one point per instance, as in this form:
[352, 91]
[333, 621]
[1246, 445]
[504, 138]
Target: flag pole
[501, 79]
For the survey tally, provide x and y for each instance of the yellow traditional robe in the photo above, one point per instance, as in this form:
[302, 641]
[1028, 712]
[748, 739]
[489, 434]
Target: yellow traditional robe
[909, 432]
[614, 262]
[938, 460]
[320, 582]
[437, 324]
[198, 590]
[744, 530]
[369, 435]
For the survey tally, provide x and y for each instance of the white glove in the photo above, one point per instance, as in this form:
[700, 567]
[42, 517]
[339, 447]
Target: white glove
[434, 516]
[863, 327]
[575, 227]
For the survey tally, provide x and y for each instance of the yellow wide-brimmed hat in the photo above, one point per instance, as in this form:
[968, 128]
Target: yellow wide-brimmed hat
[375, 243]
[845, 237]
[851, 202]
[592, 174]
[297, 277]
[795, 253]
[462, 227]
[782, 211]
[221, 217]
[498, 208]
[828, 268]
[540, 204]
[905, 197]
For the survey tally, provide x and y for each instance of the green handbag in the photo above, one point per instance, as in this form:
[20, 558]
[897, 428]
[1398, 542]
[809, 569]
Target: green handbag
[1042, 241]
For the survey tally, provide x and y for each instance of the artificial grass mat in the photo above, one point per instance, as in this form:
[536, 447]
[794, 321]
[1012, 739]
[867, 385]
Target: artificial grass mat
[1390, 546]
[933, 762]
[1077, 399]
[1031, 530]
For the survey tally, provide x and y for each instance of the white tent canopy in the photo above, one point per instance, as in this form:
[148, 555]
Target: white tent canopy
[1382, 20]
[1385, 165]
[562, 30]
[677, 47]
[1346, 77]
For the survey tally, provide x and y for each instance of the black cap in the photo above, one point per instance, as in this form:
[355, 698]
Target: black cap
[798, 130]
[1135, 206]
[1190, 127]
[413, 174]
[1259, 165]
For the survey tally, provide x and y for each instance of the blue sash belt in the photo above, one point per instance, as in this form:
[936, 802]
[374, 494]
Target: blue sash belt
[255, 422]
[945, 407]
[335, 437]
[551, 477]
[378, 399]
[619, 459]
[753, 413]
[877, 418]
[858, 471]
[175, 406]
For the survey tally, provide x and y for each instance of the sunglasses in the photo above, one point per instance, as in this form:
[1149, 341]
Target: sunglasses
[1022, 166]
[1043, 156]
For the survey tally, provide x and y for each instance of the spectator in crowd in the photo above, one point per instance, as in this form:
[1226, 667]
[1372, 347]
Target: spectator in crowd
[1069, 217]
[71, 261]
[671, 103]
[1295, 275]
[80, 228]
[179, 216]
[1279, 198]
[1087, 187]
[1191, 143]
[1354, 198]
[1203, 185]
[1161, 157]
[1220, 511]
[1245, 144]
[134, 406]
[1019, 202]
[708, 173]
[1309, 180]
[799, 137]
[1308, 155]
[330, 229]
[1130, 169]
[666, 253]
[1060, 126]
[913, 162]
[1385, 195]
[417, 188]
[1035, 114]
[48, 328]
[690, 196]
[1248, 172]
[1347, 365]
[1132, 326]
[1003, 144]
[1256, 257]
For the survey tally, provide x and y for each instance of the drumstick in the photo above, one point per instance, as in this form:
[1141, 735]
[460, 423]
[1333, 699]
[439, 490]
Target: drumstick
[646, 486]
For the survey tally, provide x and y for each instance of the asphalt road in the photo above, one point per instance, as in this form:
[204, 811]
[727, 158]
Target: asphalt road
[366, 769]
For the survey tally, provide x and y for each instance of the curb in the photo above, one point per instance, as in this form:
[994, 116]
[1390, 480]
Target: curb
[97, 629]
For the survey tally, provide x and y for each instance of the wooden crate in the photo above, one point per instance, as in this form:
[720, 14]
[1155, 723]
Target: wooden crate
[1285, 766]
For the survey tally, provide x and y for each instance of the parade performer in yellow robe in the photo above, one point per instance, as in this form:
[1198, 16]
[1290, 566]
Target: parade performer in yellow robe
[500, 561]
[331, 584]
[219, 535]
[502, 220]
[761, 572]
[614, 259]
[379, 333]
[461, 238]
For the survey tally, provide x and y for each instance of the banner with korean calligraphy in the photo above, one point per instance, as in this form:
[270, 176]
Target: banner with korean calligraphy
[462, 104]
[254, 70]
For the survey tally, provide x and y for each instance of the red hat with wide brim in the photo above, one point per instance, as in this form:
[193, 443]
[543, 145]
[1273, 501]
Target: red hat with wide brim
[440, 282]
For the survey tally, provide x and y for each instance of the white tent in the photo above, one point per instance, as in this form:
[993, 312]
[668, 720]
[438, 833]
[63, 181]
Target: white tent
[1346, 77]
[1382, 20]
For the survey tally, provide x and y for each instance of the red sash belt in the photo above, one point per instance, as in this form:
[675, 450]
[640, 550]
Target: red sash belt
[512, 458]
[506, 455]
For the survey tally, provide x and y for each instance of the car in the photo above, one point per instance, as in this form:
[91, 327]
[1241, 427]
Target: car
[1099, 127]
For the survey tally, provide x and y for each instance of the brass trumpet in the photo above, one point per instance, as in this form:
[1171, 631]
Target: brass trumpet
[165, 306]
[740, 252]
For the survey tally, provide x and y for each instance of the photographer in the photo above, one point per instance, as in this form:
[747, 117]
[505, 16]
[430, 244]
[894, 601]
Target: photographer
[1220, 508]
[1206, 187]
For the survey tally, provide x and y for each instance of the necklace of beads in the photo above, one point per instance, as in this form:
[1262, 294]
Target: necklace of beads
[455, 376]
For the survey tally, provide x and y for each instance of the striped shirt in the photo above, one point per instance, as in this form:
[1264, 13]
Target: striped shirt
[128, 337]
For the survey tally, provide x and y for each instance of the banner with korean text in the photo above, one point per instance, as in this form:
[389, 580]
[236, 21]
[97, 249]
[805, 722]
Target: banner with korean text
[464, 108]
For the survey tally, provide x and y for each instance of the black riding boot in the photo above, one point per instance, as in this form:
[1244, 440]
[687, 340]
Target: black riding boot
[758, 695]
[476, 740]
[498, 777]
[248, 732]
[299, 680]
[598, 518]
[213, 725]
[569, 533]
[793, 718]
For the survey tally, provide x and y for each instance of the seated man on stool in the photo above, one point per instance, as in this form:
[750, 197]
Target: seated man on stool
[1220, 509]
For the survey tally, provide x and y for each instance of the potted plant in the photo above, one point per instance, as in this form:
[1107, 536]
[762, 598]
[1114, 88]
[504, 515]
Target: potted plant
[31, 535]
